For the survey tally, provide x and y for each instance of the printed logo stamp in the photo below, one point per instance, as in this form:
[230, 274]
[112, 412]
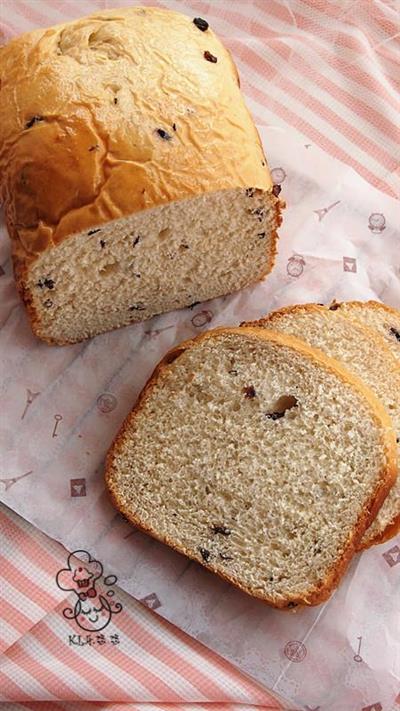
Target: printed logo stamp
[106, 402]
[94, 604]
[201, 318]
[376, 222]
[151, 601]
[350, 264]
[392, 556]
[295, 651]
[78, 487]
[295, 265]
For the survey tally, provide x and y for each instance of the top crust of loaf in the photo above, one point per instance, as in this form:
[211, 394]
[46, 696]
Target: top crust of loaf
[386, 479]
[115, 113]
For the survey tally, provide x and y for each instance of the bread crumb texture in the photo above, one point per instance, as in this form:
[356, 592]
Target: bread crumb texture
[363, 351]
[254, 458]
[154, 261]
[382, 318]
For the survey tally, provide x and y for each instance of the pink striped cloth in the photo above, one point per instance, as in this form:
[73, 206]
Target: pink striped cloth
[330, 70]
[137, 661]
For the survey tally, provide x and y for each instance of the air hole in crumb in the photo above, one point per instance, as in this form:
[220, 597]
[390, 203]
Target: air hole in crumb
[282, 405]
[167, 232]
[108, 269]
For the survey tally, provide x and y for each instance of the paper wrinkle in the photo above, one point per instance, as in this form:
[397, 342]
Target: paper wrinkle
[315, 263]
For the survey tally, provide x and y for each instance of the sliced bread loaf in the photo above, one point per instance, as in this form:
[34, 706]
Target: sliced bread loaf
[259, 458]
[382, 318]
[133, 178]
[363, 352]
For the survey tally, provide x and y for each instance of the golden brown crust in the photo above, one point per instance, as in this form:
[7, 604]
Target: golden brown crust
[375, 305]
[394, 526]
[386, 480]
[89, 98]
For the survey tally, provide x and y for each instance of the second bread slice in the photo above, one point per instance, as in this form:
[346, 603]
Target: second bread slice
[363, 352]
[384, 319]
[259, 458]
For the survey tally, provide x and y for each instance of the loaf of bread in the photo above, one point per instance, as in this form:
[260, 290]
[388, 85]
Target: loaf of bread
[258, 457]
[132, 175]
[364, 353]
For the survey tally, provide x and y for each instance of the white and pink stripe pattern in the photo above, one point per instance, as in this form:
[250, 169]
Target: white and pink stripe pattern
[328, 68]
[154, 663]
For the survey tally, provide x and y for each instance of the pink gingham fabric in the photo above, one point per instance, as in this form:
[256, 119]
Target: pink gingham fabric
[329, 70]
[138, 661]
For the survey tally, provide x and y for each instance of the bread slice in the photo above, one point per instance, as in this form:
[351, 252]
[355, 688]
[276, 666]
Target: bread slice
[363, 352]
[384, 319]
[133, 177]
[257, 457]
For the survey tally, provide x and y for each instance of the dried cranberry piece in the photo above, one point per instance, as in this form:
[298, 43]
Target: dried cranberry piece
[205, 554]
[210, 57]
[163, 134]
[249, 391]
[201, 24]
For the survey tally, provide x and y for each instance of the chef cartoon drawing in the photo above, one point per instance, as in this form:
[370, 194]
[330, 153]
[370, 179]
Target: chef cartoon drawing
[94, 604]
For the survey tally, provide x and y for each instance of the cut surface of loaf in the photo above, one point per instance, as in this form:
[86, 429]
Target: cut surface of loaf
[382, 318]
[131, 172]
[154, 261]
[363, 352]
[259, 458]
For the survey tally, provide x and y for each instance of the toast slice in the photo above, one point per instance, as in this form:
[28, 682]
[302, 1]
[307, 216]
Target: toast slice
[258, 457]
[375, 315]
[364, 353]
